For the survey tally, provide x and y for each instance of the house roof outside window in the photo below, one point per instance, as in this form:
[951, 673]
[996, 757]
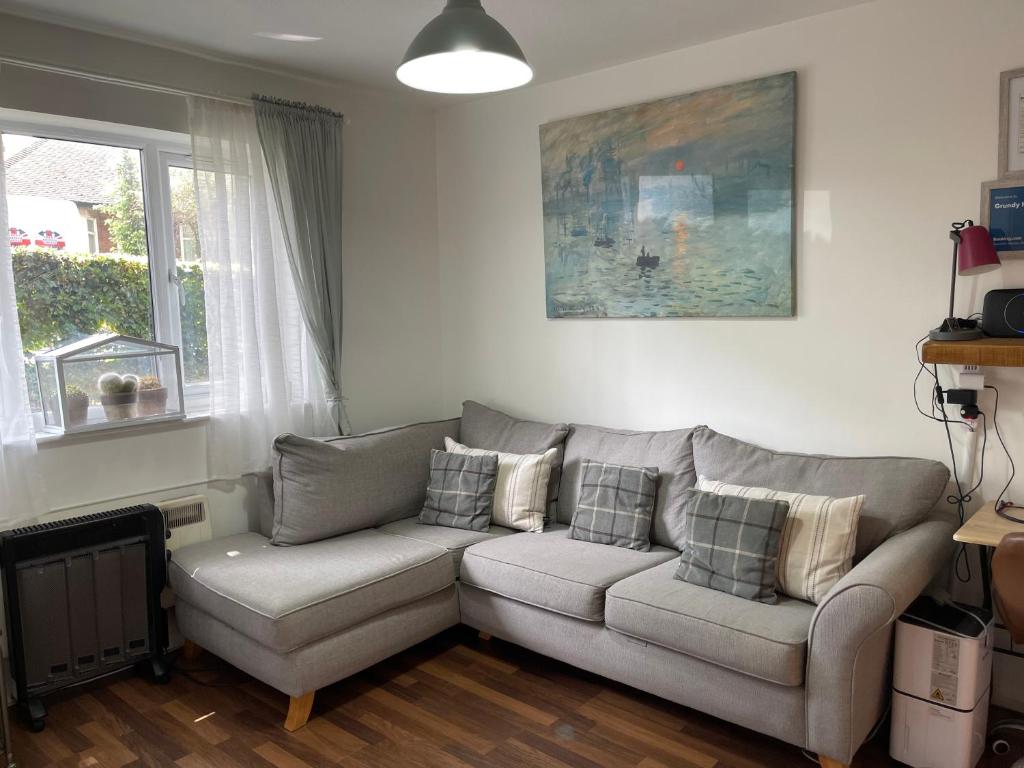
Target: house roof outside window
[64, 170]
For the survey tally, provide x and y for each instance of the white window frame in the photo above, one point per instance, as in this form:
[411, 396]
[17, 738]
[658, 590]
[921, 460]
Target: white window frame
[92, 234]
[159, 149]
[197, 394]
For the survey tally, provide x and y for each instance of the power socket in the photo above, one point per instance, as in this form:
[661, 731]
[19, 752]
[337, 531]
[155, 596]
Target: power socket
[970, 377]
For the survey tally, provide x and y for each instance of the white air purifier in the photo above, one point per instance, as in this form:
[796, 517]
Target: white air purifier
[941, 682]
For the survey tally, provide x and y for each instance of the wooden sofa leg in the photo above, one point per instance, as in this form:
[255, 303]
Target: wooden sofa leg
[485, 636]
[299, 708]
[828, 762]
[190, 651]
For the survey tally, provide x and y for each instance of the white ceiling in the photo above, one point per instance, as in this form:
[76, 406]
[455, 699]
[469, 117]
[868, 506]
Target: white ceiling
[363, 40]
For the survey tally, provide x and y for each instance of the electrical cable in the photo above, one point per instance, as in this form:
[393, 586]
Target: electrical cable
[191, 674]
[962, 567]
[961, 498]
[1002, 506]
[924, 369]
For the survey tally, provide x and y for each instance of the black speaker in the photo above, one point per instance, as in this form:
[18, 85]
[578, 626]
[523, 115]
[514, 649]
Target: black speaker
[1003, 313]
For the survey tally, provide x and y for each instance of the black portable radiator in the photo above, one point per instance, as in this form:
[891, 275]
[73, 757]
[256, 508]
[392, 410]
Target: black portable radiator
[83, 600]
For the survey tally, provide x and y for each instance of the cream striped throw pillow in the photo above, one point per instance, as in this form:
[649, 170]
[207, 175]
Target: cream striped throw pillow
[818, 539]
[520, 493]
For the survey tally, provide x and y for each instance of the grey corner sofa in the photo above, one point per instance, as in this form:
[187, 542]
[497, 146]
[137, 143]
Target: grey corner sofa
[302, 617]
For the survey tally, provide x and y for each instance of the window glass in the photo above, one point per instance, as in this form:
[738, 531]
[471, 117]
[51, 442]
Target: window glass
[188, 259]
[77, 223]
[93, 234]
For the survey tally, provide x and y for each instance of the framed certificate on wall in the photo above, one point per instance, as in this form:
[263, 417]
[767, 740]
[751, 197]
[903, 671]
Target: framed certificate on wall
[1002, 211]
[1011, 126]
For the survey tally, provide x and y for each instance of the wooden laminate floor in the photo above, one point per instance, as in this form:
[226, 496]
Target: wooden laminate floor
[453, 701]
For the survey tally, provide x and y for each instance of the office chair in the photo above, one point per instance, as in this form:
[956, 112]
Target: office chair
[1008, 594]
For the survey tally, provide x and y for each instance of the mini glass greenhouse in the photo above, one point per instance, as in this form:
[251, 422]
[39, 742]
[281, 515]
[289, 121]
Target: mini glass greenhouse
[109, 380]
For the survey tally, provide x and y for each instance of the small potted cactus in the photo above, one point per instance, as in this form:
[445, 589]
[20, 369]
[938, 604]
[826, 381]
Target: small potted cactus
[119, 395]
[152, 397]
[78, 405]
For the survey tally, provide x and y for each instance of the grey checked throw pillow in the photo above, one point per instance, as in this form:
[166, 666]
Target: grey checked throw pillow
[732, 544]
[460, 493]
[615, 505]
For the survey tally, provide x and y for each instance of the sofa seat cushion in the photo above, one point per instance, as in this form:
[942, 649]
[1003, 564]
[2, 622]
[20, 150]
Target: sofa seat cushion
[766, 641]
[550, 570]
[287, 597]
[455, 540]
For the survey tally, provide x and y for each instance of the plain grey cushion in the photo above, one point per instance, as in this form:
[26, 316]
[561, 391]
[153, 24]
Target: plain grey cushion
[767, 641]
[455, 540]
[900, 492]
[669, 451]
[287, 597]
[550, 570]
[324, 488]
[492, 430]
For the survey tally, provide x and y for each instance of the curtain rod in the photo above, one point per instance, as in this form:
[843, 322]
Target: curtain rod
[113, 80]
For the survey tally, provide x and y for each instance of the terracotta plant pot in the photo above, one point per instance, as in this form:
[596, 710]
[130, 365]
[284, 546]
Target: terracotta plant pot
[78, 411]
[120, 405]
[153, 402]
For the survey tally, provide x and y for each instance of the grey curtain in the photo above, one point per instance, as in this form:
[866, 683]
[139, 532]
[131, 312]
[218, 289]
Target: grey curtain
[302, 146]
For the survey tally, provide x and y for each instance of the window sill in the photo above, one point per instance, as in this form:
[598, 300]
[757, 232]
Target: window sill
[48, 440]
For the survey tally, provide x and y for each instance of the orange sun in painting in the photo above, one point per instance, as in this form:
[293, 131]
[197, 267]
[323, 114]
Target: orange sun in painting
[680, 165]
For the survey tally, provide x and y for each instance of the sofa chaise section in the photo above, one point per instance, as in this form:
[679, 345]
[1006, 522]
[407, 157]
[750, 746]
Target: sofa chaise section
[322, 592]
[300, 618]
[287, 597]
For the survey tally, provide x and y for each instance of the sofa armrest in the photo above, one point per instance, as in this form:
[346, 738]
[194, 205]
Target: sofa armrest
[851, 636]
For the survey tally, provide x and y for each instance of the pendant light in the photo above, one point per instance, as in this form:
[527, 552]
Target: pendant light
[463, 50]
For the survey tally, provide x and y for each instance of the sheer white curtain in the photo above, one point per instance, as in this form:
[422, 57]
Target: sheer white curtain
[264, 377]
[21, 485]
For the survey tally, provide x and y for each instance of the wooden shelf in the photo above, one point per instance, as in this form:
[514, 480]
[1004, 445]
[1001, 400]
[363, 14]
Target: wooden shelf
[1007, 353]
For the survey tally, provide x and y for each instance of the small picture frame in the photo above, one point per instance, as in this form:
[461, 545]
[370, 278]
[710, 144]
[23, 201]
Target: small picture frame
[1002, 213]
[1011, 124]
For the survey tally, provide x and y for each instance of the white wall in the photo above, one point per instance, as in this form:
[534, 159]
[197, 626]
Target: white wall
[897, 128]
[391, 292]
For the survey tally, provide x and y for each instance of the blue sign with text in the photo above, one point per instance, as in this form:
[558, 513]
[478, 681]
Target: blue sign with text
[1006, 218]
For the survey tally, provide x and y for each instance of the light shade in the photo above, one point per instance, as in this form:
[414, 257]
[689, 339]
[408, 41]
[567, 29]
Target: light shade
[463, 50]
[977, 252]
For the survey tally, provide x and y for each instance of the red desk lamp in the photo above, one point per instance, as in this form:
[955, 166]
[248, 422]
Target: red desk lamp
[973, 254]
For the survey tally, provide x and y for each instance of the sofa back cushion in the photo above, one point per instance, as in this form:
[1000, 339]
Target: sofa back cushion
[671, 452]
[492, 430]
[899, 492]
[325, 488]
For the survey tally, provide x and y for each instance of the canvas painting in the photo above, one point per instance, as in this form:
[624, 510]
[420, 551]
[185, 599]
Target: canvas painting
[681, 207]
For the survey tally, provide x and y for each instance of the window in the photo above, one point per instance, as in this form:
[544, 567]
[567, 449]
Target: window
[93, 235]
[188, 270]
[104, 238]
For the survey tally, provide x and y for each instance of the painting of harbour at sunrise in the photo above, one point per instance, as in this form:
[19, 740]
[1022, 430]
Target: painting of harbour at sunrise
[681, 207]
